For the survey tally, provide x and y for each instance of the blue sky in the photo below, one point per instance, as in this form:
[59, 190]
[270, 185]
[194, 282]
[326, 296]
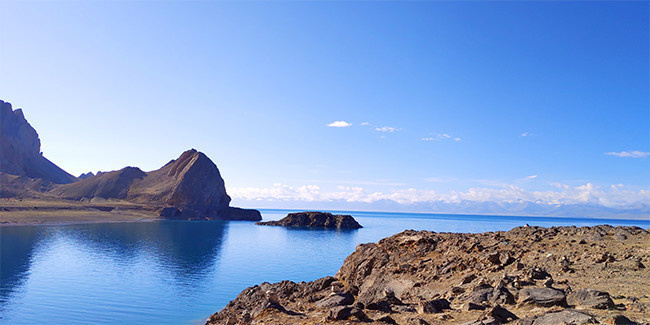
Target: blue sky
[441, 98]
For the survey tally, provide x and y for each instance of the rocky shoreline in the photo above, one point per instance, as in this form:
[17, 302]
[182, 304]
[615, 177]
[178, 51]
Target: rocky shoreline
[528, 275]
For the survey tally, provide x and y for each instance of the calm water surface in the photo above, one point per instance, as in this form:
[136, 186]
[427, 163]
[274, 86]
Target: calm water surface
[179, 272]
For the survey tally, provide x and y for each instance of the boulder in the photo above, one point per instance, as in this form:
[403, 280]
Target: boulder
[335, 300]
[567, 317]
[495, 316]
[619, 320]
[345, 312]
[432, 306]
[544, 297]
[589, 298]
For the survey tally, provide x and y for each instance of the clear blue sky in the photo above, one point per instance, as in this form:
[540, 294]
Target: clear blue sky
[441, 96]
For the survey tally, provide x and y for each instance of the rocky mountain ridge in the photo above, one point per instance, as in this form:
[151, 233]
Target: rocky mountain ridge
[528, 275]
[20, 149]
[189, 187]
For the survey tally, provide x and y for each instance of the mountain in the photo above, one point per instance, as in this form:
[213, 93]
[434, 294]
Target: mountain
[86, 175]
[20, 149]
[189, 187]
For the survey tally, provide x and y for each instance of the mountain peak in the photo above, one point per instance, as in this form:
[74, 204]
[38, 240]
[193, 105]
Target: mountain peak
[20, 149]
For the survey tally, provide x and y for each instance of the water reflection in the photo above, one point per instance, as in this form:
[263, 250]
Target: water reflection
[186, 251]
[17, 245]
[185, 248]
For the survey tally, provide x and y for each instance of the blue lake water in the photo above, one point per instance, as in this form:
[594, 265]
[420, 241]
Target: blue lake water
[180, 272]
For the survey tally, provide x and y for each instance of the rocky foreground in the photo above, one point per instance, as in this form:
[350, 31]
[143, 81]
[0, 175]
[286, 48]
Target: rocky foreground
[528, 275]
[315, 219]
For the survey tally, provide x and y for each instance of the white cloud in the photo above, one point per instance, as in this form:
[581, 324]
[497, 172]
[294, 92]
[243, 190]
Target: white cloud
[525, 134]
[629, 154]
[365, 123]
[531, 177]
[387, 129]
[339, 124]
[615, 196]
[439, 137]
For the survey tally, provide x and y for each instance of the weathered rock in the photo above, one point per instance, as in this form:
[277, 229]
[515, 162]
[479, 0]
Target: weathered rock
[538, 274]
[484, 292]
[501, 314]
[494, 316]
[619, 320]
[315, 219]
[468, 278]
[589, 298]
[567, 317]
[345, 312]
[335, 300]
[545, 297]
[501, 295]
[381, 305]
[432, 306]
[481, 293]
[416, 321]
[386, 320]
[472, 306]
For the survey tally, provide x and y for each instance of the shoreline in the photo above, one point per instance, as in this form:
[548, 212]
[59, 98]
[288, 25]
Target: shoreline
[37, 212]
[73, 222]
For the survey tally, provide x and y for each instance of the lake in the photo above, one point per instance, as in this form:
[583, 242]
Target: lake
[180, 272]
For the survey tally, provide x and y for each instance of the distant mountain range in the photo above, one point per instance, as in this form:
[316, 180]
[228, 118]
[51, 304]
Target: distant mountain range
[581, 210]
[189, 187]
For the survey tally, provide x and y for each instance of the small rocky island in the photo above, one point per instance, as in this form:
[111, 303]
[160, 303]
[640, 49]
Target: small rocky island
[528, 275]
[314, 219]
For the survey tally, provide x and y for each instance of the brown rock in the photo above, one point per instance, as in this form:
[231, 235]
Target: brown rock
[432, 306]
[315, 219]
[544, 297]
[567, 317]
[589, 298]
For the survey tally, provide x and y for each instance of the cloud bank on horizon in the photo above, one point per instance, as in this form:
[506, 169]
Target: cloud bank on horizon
[613, 197]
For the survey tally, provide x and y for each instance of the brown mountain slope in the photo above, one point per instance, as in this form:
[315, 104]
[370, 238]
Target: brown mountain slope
[189, 187]
[110, 185]
[20, 149]
[191, 181]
